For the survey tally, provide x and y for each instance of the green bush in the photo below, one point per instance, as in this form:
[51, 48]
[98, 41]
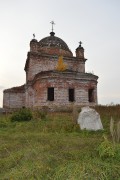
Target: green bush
[106, 149]
[22, 115]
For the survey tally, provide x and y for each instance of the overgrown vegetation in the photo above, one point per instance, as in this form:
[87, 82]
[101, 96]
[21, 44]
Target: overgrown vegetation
[22, 115]
[61, 66]
[52, 147]
[115, 131]
[106, 149]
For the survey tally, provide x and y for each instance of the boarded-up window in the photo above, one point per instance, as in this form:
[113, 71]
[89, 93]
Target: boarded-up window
[91, 95]
[71, 95]
[50, 94]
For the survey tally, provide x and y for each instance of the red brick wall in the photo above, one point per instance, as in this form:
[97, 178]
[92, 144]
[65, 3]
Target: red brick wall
[61, 87]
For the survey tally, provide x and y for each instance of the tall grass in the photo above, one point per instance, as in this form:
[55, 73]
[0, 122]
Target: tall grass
[115, 131]
[54, 148]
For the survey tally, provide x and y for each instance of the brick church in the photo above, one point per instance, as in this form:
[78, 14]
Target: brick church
[49, 86]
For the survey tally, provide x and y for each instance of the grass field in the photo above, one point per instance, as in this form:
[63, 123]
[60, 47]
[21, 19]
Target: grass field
[55, 148]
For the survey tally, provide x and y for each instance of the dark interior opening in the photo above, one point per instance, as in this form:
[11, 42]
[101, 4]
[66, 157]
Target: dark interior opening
[91, 95]
[50, 94]
[71, 95]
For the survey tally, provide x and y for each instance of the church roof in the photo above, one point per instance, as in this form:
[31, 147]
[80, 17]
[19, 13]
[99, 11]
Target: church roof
[17, 89]
[53, 41]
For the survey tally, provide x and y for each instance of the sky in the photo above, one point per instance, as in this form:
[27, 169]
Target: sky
[94, 22]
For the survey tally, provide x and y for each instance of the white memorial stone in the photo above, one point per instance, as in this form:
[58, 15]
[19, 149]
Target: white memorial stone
[89, 119]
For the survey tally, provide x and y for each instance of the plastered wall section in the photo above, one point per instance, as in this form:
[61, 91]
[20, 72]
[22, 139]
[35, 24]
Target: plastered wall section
[13, 100]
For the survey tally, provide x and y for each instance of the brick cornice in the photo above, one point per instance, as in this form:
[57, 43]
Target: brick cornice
[65, 75]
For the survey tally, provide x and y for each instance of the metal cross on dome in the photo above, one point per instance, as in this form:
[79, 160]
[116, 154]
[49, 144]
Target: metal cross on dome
[80, 43]
[52, 22]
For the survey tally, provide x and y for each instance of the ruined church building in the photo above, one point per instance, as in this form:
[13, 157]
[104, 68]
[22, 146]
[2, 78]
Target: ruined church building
[47, 86]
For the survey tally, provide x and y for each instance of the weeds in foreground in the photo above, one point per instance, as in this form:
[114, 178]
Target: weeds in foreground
[111, 149]
[115, 131]
[57, 149]
[106, 148]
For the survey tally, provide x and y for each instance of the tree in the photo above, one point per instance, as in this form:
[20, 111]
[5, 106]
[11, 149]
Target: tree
[61, 66]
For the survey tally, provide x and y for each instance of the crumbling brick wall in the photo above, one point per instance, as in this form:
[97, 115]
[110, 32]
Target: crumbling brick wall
[14, 98]
[45, 63]
[62, 83]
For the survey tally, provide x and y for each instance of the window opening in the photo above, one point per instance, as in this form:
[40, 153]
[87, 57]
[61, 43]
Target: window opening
[71, 95]
[50, 94]
[91, 95]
